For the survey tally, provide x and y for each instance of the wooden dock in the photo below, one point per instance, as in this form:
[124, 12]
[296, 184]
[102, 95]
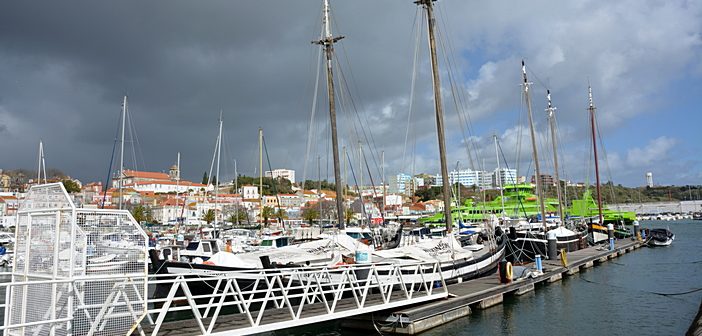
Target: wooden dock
[481, 293]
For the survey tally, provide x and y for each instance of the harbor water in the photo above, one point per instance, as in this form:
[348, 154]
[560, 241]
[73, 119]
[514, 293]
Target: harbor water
[651, 291]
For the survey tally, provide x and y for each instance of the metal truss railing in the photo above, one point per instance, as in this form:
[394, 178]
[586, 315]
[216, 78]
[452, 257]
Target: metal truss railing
[282, 298]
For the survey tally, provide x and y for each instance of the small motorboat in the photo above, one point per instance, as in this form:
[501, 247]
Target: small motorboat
[659, 237]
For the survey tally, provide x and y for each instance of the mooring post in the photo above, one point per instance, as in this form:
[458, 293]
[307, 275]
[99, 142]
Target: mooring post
[637, 233]
[537, 260]
[552, 248]
[610, 232]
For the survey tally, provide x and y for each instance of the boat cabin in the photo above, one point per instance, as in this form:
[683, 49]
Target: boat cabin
[203, 249]
[272, 242]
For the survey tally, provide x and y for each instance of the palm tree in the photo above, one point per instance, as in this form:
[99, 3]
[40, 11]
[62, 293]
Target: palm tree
[267, 213]
[209, 216]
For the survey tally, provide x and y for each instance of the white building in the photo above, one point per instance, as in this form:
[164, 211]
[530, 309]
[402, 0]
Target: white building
[504, 176]
[649, 179]
[467, 177]
[249, 192]
[400, 183]
[288, 174]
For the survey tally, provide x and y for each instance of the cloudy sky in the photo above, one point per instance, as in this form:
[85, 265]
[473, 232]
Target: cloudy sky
[65, 66]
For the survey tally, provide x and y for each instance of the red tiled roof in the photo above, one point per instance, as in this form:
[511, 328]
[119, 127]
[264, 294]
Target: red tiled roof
[149, 175]
[182, 183]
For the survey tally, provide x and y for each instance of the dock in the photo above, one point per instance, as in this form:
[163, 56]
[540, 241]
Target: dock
[482, 293]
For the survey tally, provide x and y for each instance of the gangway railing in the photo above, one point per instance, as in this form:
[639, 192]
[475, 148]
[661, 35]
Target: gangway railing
[259, 301]
[236, 303]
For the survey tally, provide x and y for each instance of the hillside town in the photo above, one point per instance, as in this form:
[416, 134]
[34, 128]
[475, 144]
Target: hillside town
[166, 199]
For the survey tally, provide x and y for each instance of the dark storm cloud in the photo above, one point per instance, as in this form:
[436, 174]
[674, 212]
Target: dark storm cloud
[65, 65]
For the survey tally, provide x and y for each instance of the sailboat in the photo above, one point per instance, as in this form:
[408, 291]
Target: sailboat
[526, 244]
[529, 242]
[597, 229]
[456, 261]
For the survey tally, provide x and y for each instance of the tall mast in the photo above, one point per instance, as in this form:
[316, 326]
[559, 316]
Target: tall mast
[382, 168]
[360, 177]
[121, 152]
[591, 109]
[42, 164]
[552, 121]
[539, 187]
[236, 191]
[428, 6]
[177, 178]
[219, 150]
[260, 170]
[328, 42]
[499, 176]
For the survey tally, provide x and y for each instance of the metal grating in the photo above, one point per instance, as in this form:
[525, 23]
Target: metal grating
[76, 271]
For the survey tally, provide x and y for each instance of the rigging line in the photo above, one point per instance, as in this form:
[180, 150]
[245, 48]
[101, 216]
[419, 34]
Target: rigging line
[214, 155]
[139, 150]
[131, 139]
[109, 171]
[520, 130]
[358, 190]
[643, 290]
[519, 199]
[275, 190]
[419, 33]
[457, 105]
[369, 140]
[311, 125]
[375, 195]
[604, 153]
[460, 101]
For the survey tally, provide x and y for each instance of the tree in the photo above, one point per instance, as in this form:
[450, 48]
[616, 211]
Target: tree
[238, 215]
[348, 215]
[309, 214]
[267, 213]
[71, 186]
[140, 213]
[214, 180]
[209, 216]
[205, 179]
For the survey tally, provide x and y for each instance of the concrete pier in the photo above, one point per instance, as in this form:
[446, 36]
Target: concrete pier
[481, 293]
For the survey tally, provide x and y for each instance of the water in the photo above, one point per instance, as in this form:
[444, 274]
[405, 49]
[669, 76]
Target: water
[615, 298]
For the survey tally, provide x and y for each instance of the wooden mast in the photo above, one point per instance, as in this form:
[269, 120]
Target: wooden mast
[591, 109]
[552, 121]
[328, 42]
[539, 187]
[428, 6]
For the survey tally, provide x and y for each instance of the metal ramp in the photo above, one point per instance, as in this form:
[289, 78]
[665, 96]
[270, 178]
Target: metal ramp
[69, 264]
[240, 303]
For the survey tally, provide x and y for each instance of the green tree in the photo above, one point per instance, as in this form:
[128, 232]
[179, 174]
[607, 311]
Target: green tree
[71, 186]
[214, 180]
[140, 213]
[267, 213]
[209, 216]
[348, 214]
[237, 216]
[205, 179]
[309, 214]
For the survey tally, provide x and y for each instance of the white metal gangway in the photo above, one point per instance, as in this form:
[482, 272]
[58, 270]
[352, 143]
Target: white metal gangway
[239, 303]
[229, 303]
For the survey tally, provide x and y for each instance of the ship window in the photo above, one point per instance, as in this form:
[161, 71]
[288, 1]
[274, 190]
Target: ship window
[215, 248]
[267, 243]
[206, 247]
[192, 246]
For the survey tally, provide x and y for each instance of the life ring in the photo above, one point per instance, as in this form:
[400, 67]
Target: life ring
[508, 271]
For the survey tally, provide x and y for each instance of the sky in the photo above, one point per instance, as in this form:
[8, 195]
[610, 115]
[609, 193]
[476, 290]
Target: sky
[65, 66]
